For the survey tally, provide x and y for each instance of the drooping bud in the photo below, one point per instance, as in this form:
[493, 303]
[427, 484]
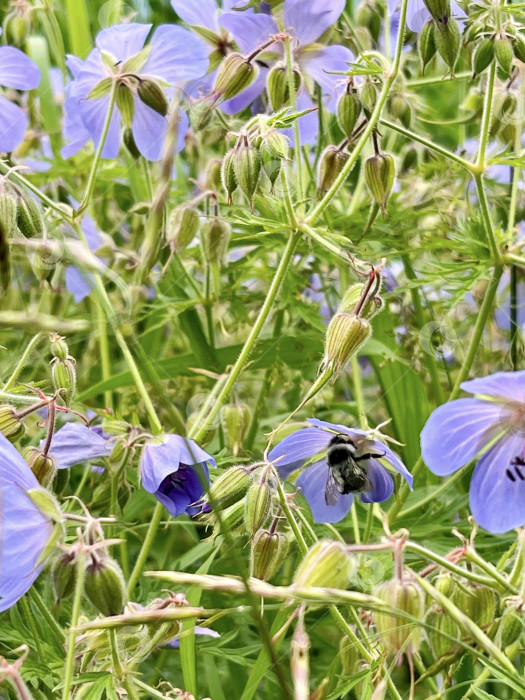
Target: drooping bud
[150, 92]
[277, 86]
[183, 224]
[348, 110]
[229, 487]
[346, 333]
[401, 109]
[129, 142]
[215, 236]
[426, 44]
[380, 172]
[504, 53]
[331, 162]
[247, 167]
[231, 519]
[448, 40]
[441, 628]
[8, 212]
[483, 56]
[445, 584]
[104, 585]
[477, 602]
[510, 626]
[368, 98]
[257, 504]
[326, 564]
[236, 419]
[229, 181]
[440, 10]
[125, 104]
[29, 217]
[63, 574]
[398, 633]
[64, 377]
[10, 425]
[268, 552]
[519, 47]
[235, 74]
[368, 16]
[274, 149]
[43, 466]
[211, 179]
[16, 26]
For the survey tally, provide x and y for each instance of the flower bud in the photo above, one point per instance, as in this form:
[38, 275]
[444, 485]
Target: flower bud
[64, 379]
[326, 564]
[348, 110]
[269, 550]
[120, 454]
[215, 236]
[274, 148]
[63, 575]
[380, 172]
[331, 162]
[401, 109]
[510, 626]
[439, 9]
[257, 505]
[350, 656]
[130, 144]
[16, 26]
[229, 487]
[150, 92]
[235, 74]
[125, 104]
[183, 224]
[448, 39]
[43, 466]
[29, 217]
[8, 211]
[247, 167]
[398, 633]
[368, 16]
[229, 181]
[277, 86]
[504, 53]
[426, 44]
[483, 56]
[519, 47]
[505, 106]
[104, 585]
[368, 98]
[477, 602]
[445, 584]
[346, 333]
[236, 419]
[59, 347]
[10, 425]
[231, 519]
[441, 624]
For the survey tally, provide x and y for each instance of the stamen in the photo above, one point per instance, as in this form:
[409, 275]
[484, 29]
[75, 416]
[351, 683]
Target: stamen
[510, 475]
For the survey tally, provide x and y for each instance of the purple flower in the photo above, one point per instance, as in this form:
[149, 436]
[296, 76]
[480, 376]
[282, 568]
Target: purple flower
[19, 72]
[172, 57]
[24, 529]
[75, 443]
[202, 631]
[176, 471]
[491, 424]
[312, 443]
[418, 15]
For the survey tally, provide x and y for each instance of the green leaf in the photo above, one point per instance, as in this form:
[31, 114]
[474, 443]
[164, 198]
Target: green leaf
[78, 26]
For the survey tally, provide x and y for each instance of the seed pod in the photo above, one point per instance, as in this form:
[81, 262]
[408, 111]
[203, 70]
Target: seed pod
[268, 552]
[504, 53]
[29, 217]
[331, 162]
[426, 44]
[380, 172]
[64, 379]
[150, 92]
[325, 564]
[247, 167]
[398, 633]
[348, 110]
[236, 419]
[215, 236]
[345, 334]
[8, 211]
[183, 224]
[441, 624]
[448, 39]
[104, 585]
[257, 505]
[477, 602]
[10, 425]
[43, 466]
[63, 574]
[230, 487]
[125, 104]
[229, 181]
[482, 57]
[519, 47]
[235, 74]
[368, 98]
[510, 626]
[439, 9]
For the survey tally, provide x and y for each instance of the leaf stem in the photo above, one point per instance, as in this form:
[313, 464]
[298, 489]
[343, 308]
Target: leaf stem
[75, 614]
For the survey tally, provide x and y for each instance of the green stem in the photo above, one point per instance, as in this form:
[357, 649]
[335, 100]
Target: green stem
[374, 118]
[485, 566]
[98, 153]
[104, 353]
[146, 546]
[75, 614]
[487, 222]
[16, 372]
[293, 102]
[485, 119]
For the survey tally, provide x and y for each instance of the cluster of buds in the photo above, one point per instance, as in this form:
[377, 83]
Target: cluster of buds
[63, 369]
[439, 35]
[502, 45]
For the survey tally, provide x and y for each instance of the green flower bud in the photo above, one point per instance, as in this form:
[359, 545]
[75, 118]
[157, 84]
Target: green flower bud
[277, 86]
[120, 454]
[8, 212]
[59, 347]
[483, 56]
[368, 98]
[380, 172]
[510, 626]
[346, 333]
[441, 624]
[230, 486]
[326, 565]
[63, 575]
[232, 518]
[150, 92]
[16, 26]
[183, 224]
[235, 74]
[43, 466]
[215, 236]
[400, 634]
[477, 602]
[426, 44]
[236, 419]
[519, 47]
[401, 109]
[348, 110]
[130, 144]
[350, 656]
[10, 425]
[125, 104]
[331, 162]
[29, 217]
[64, 379]
[201, 112]
[445, 584]
[104, 585]
[439, 9]
[257, 505]
[247, 167]
[273, 149]
[229, 181]
[212, 174]
[268, 552]
[368, 16]
[504, 53]
[448, 40]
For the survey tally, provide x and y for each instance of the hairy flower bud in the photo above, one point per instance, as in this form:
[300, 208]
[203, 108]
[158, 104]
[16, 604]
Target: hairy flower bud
[235, 74]
[10, 425]
[401, 109]
[16, 26]
[504, 53]
[277, 86]
[229, 181]
[483, 56]
[215, 236]
[439, 9]
[398, 633]
[519, 47]
[64, 377]
[150, 92]
[326, 564]
[448, 40]
[368, 98]
[477, 602]
[257, 505]
[236, 419]
[348, 110]
[350, 656]
[273, 149]
[331, 162]
[104, 585]
[125, 104]
[59, 347]
[63, 574]
[8, 212]
[29, 217]
[268, 552]
[247, 167]
[183, 224]
[441, 628]
[426, 44]
[380, 172]
[510, 626]
[346, 333]
[43, 466]
[229, 487]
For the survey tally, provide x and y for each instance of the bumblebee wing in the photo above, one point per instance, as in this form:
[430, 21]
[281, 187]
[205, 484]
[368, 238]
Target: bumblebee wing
[332, 490]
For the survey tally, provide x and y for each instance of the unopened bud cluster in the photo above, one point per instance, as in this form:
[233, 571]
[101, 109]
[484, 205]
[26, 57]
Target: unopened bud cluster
[63, 369]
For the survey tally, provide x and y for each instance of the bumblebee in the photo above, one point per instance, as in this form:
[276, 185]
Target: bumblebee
[348, 471]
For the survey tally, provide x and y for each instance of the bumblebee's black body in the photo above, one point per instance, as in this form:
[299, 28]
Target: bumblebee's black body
[346, 474]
